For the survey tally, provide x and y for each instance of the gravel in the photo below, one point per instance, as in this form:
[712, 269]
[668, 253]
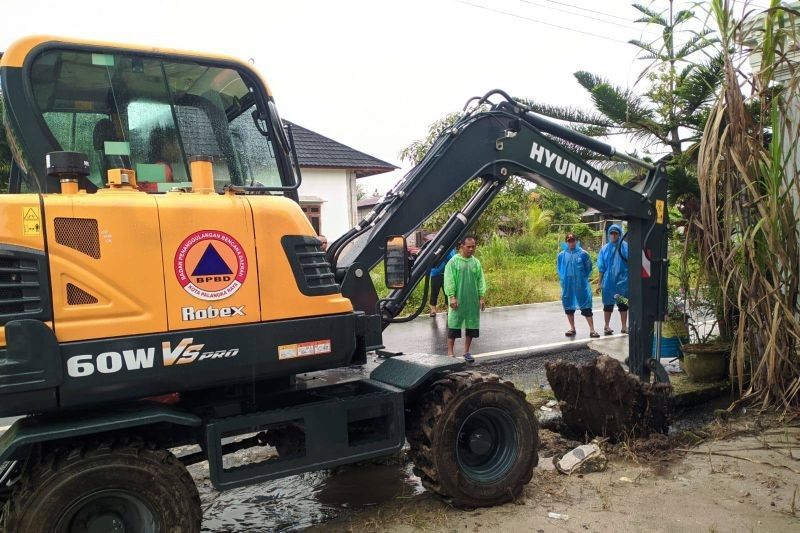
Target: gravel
[528, 372]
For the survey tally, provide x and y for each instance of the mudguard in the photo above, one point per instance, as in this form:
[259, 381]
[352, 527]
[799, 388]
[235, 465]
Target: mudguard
[409, 371]
[36, 429]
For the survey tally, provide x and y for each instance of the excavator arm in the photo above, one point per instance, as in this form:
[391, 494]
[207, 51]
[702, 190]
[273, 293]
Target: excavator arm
[493, 144]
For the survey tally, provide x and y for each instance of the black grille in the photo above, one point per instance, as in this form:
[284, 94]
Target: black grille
[23, 285]
[78, 296]
[79, 234]
[312, 271]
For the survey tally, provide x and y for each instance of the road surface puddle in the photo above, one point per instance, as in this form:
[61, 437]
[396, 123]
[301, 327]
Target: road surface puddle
[297, 502]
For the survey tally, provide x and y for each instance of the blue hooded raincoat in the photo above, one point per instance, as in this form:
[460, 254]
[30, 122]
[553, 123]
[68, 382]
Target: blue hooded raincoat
[613, 267]
[574, 268]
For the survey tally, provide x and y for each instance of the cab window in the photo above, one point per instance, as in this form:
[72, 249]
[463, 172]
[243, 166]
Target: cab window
[151, 115]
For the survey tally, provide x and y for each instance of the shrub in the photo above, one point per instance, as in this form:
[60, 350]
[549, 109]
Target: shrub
[522, 245]
[494, 253]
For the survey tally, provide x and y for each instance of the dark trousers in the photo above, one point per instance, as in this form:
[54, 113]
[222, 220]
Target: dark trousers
[437, 282]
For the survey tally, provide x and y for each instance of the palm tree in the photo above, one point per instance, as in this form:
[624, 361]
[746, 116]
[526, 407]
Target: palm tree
[671, 113]
[539, 221]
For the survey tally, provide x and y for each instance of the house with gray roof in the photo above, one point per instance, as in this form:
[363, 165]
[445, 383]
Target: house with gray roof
[330, 170]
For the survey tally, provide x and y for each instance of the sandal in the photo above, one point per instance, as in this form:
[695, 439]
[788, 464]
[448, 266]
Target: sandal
[594, 335]
[624, 331]
[570, 333]
[432, 314]
[608, 331]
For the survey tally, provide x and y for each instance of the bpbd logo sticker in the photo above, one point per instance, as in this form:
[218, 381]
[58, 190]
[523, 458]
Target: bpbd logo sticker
[210, 265]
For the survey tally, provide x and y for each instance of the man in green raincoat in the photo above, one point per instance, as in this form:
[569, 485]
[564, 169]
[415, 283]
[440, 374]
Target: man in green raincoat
[465, 286]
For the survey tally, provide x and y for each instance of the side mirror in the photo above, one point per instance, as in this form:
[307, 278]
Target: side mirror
[395, 262]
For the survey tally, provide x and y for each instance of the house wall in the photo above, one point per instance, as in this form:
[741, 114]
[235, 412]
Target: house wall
[337, 188]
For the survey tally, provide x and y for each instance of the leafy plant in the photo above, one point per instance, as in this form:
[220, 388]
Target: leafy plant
[539, 221]
[584, 233]
[565, 210]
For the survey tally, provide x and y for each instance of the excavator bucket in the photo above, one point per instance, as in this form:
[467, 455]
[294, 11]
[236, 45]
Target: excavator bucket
[601, 398]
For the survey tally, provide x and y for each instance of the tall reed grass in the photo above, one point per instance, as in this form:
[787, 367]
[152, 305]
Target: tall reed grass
[750, 199]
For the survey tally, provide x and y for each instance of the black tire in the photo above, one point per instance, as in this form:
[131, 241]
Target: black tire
[452, 419]
[131, 483]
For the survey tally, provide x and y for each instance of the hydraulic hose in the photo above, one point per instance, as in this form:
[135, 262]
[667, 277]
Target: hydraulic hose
[619, 248]
[416, 313]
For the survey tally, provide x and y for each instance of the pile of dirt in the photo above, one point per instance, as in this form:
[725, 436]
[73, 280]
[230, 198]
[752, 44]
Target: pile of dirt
[554, 444]
[600, 398]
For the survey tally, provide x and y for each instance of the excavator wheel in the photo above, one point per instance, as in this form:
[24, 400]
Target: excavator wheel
[474, 439]
[111, 486]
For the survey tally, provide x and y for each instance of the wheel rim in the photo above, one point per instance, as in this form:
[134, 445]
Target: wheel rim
[108, 511]
[487, 445]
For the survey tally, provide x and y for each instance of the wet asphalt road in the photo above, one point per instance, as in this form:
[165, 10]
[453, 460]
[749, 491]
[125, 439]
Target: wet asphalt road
[518, 328]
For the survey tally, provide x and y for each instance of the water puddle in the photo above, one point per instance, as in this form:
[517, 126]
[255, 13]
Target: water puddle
[297, 502]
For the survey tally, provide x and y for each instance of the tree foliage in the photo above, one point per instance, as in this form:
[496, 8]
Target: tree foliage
[565, 210]
[681, 81]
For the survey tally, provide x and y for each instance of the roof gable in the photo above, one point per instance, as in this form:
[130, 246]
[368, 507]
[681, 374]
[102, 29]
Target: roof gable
[315, 150]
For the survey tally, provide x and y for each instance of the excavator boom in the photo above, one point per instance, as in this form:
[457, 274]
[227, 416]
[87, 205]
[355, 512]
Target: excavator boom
[493, 145]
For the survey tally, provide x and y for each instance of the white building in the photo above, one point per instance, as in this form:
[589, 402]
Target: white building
[330, 170]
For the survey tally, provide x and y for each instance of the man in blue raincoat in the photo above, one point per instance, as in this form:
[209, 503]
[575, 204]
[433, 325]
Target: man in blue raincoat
[574, 267]
[612, 262]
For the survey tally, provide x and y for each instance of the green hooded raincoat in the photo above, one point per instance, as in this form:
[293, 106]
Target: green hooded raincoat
[463, 278]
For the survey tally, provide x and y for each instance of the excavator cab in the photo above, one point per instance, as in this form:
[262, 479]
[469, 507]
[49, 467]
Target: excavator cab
[142, 110]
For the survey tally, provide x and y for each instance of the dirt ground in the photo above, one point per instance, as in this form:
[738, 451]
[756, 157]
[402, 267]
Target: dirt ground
[742, 475]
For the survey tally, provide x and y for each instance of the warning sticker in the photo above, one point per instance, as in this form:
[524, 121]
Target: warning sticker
[31, 221]
[304, 349]
[210, 265]
[659, 211]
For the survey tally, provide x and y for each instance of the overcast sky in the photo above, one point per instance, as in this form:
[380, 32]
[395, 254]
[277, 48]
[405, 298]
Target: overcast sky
[372, 74]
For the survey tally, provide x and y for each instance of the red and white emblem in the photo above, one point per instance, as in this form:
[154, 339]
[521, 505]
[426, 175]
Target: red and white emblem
[210, 265]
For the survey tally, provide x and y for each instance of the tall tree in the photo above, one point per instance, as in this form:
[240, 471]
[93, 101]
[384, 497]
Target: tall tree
[682, 77]
[565, 210]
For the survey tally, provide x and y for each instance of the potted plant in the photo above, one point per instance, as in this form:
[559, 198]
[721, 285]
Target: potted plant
[674, 331]
[705, 356]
